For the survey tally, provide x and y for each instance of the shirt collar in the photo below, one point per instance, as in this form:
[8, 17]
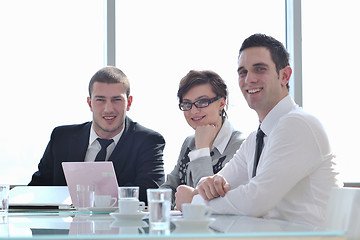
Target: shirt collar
[94, 136]
[223, 136]
[283, 107]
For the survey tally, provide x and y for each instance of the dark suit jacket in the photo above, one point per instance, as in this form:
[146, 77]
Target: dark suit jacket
[137, 157]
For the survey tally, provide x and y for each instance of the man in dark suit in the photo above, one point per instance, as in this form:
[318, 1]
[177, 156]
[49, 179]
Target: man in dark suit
[135, 151]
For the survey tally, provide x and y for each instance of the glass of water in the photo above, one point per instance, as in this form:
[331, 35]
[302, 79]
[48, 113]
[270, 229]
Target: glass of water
[85, 196]
[4, 198]
[159, 201]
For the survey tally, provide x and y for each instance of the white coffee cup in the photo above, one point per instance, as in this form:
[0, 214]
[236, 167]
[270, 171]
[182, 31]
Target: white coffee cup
[130, 206]
[105, 201]
[195, 211]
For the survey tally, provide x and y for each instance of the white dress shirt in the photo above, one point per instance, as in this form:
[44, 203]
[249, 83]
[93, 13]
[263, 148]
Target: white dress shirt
[295, 172]
[94, 146]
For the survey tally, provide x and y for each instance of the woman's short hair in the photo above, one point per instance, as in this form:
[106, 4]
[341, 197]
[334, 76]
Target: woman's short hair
[195, 78]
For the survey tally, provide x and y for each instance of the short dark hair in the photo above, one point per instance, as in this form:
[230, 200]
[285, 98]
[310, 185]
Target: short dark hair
[195, 78]
[278, 52]
[110, 74]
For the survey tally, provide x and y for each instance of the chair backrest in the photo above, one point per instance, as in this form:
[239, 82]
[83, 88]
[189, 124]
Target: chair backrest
[343, 211]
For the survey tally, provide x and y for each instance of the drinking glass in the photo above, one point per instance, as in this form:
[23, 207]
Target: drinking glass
[159, 201]
[85, 196]
[4, 198]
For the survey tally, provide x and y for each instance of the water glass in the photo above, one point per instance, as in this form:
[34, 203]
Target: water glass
[159, 201]
[128, 192]
[85, 196]
[4, 198]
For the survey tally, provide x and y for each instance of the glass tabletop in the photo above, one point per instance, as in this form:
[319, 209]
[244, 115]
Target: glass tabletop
[53, 224]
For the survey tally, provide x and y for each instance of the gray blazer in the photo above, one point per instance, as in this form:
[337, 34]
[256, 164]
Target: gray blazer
[201, 167]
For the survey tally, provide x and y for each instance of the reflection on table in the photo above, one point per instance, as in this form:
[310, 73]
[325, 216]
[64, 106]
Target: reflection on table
[91, 226]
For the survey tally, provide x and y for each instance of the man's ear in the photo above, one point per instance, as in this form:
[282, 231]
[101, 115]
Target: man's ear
[129, 102]
[89, 103]
[285, 75]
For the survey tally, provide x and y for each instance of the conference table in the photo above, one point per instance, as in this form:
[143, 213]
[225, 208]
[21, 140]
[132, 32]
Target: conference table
[71, 224]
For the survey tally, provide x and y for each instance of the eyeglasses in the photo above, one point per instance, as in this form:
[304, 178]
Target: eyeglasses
[202, 103]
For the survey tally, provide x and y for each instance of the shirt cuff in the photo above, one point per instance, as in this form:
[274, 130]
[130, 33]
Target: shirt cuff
[197, 199]
[195, 154]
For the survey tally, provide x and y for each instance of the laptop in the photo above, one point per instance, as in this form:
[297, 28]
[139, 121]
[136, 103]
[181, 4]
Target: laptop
[39, 197]
[100, 174]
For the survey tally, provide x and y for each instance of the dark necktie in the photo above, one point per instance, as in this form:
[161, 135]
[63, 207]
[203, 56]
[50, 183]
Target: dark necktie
[102, 153]
[259, 146]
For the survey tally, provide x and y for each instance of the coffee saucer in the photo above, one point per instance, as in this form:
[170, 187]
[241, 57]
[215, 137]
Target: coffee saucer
[123, 223]
[128, 217]
[103, 209]
[192, 226]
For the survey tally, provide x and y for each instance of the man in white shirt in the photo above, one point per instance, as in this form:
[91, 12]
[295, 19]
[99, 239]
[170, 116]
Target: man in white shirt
[295, 174]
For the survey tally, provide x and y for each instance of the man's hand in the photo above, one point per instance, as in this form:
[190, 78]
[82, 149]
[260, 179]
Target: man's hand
[184, 194]
[213, 187]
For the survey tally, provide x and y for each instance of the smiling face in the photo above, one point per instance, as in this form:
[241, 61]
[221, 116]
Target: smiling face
[259, 82]
[203, 116]
[109, 103]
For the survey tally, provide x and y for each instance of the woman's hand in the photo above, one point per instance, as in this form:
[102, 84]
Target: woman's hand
[184, 194]
[205, 135]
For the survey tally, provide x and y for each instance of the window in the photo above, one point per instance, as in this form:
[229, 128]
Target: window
[330, 82]
[49, 51]
[160, 41]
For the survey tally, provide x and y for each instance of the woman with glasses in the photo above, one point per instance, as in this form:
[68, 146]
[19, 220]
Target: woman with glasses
[203, 98]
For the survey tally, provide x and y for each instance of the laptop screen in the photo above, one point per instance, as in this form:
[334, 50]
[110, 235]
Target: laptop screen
[39, 196]
[100, 174]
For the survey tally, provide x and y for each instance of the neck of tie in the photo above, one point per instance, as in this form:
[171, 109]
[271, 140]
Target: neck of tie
[259, 146]
[102, 153]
